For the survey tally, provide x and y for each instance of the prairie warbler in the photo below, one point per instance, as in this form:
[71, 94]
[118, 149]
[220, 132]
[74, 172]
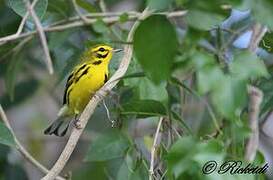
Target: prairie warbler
[84, 80]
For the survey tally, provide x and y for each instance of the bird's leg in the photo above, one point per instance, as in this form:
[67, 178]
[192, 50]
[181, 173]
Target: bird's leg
[76, 122]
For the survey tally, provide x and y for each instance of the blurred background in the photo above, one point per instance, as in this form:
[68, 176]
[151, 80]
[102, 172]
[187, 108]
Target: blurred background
[197, 78]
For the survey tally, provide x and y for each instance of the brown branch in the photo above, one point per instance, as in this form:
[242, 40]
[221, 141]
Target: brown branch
[20, 147]
[257, 35]
[255, 99]
[42, 36]
[88, 111]
[154, 147]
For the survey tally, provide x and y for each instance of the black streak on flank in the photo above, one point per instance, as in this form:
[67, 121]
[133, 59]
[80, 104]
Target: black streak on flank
[97, 62]
[82, 67]
[83, 73]
[68, 83]
[67, 96]
[105, 78]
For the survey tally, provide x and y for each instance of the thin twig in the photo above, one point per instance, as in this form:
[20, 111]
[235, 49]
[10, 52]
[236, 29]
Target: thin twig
[21, 26]
[77, 9]
[42, 36]
[255, 98]
[20, 147]
[72, 23]
[89, 109]
[257, 35]
[154, 147]
[108, 114]
[19, 30]
[17, 48]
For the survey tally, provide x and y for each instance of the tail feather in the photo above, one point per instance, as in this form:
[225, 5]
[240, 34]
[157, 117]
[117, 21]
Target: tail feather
[56, 128]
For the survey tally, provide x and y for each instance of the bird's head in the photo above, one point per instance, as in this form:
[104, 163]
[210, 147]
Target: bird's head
[101, 53]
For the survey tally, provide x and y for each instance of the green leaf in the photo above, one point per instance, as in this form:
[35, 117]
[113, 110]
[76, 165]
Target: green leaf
[94, 170]
[230, 96]
[209, 150]
[178, 157]
[100, 27]
[126, 168]
[107, 146]
[140, 172]
[19, 7]
[259, 159]
[203, 20]
[86, 6]
[57, 39]
[159, 4]
[187, 156]
[201, 59]
[23, 90]
[262, 10]
[176, 81]
[247, 65]
[60, 8]
[155, 44]
[144, 108]
[182, 122]
[149, 90]
[12, 72]
[209, 78]
[6, 137]
[123, 18]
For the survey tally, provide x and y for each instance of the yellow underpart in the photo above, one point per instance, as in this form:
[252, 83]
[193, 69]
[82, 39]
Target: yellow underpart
[81, 91]
[85, 79]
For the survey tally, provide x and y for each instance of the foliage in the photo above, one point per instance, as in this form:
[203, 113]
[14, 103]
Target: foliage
[6, 136]
[192, 70]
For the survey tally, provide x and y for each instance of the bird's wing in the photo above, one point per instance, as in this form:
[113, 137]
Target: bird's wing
[69, 81]
[74, 77]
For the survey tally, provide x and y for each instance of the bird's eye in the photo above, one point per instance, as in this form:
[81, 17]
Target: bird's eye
[101, 49]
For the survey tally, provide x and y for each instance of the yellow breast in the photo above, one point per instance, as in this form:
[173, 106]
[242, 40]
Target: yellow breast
[88, 80]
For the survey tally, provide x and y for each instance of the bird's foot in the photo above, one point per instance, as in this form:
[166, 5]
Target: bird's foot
[77, 124]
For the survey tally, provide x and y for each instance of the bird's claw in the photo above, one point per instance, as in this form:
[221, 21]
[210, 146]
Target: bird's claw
[77, 124]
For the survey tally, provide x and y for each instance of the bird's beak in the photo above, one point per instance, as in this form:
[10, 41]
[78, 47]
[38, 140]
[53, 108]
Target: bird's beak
[117, 50]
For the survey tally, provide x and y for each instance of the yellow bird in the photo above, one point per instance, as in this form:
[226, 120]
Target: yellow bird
[82, 83]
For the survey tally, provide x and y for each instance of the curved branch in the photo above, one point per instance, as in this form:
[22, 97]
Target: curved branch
[89, 109]
[21, 149]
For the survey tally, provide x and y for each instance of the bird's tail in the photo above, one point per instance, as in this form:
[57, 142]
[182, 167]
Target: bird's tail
[59, 127]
